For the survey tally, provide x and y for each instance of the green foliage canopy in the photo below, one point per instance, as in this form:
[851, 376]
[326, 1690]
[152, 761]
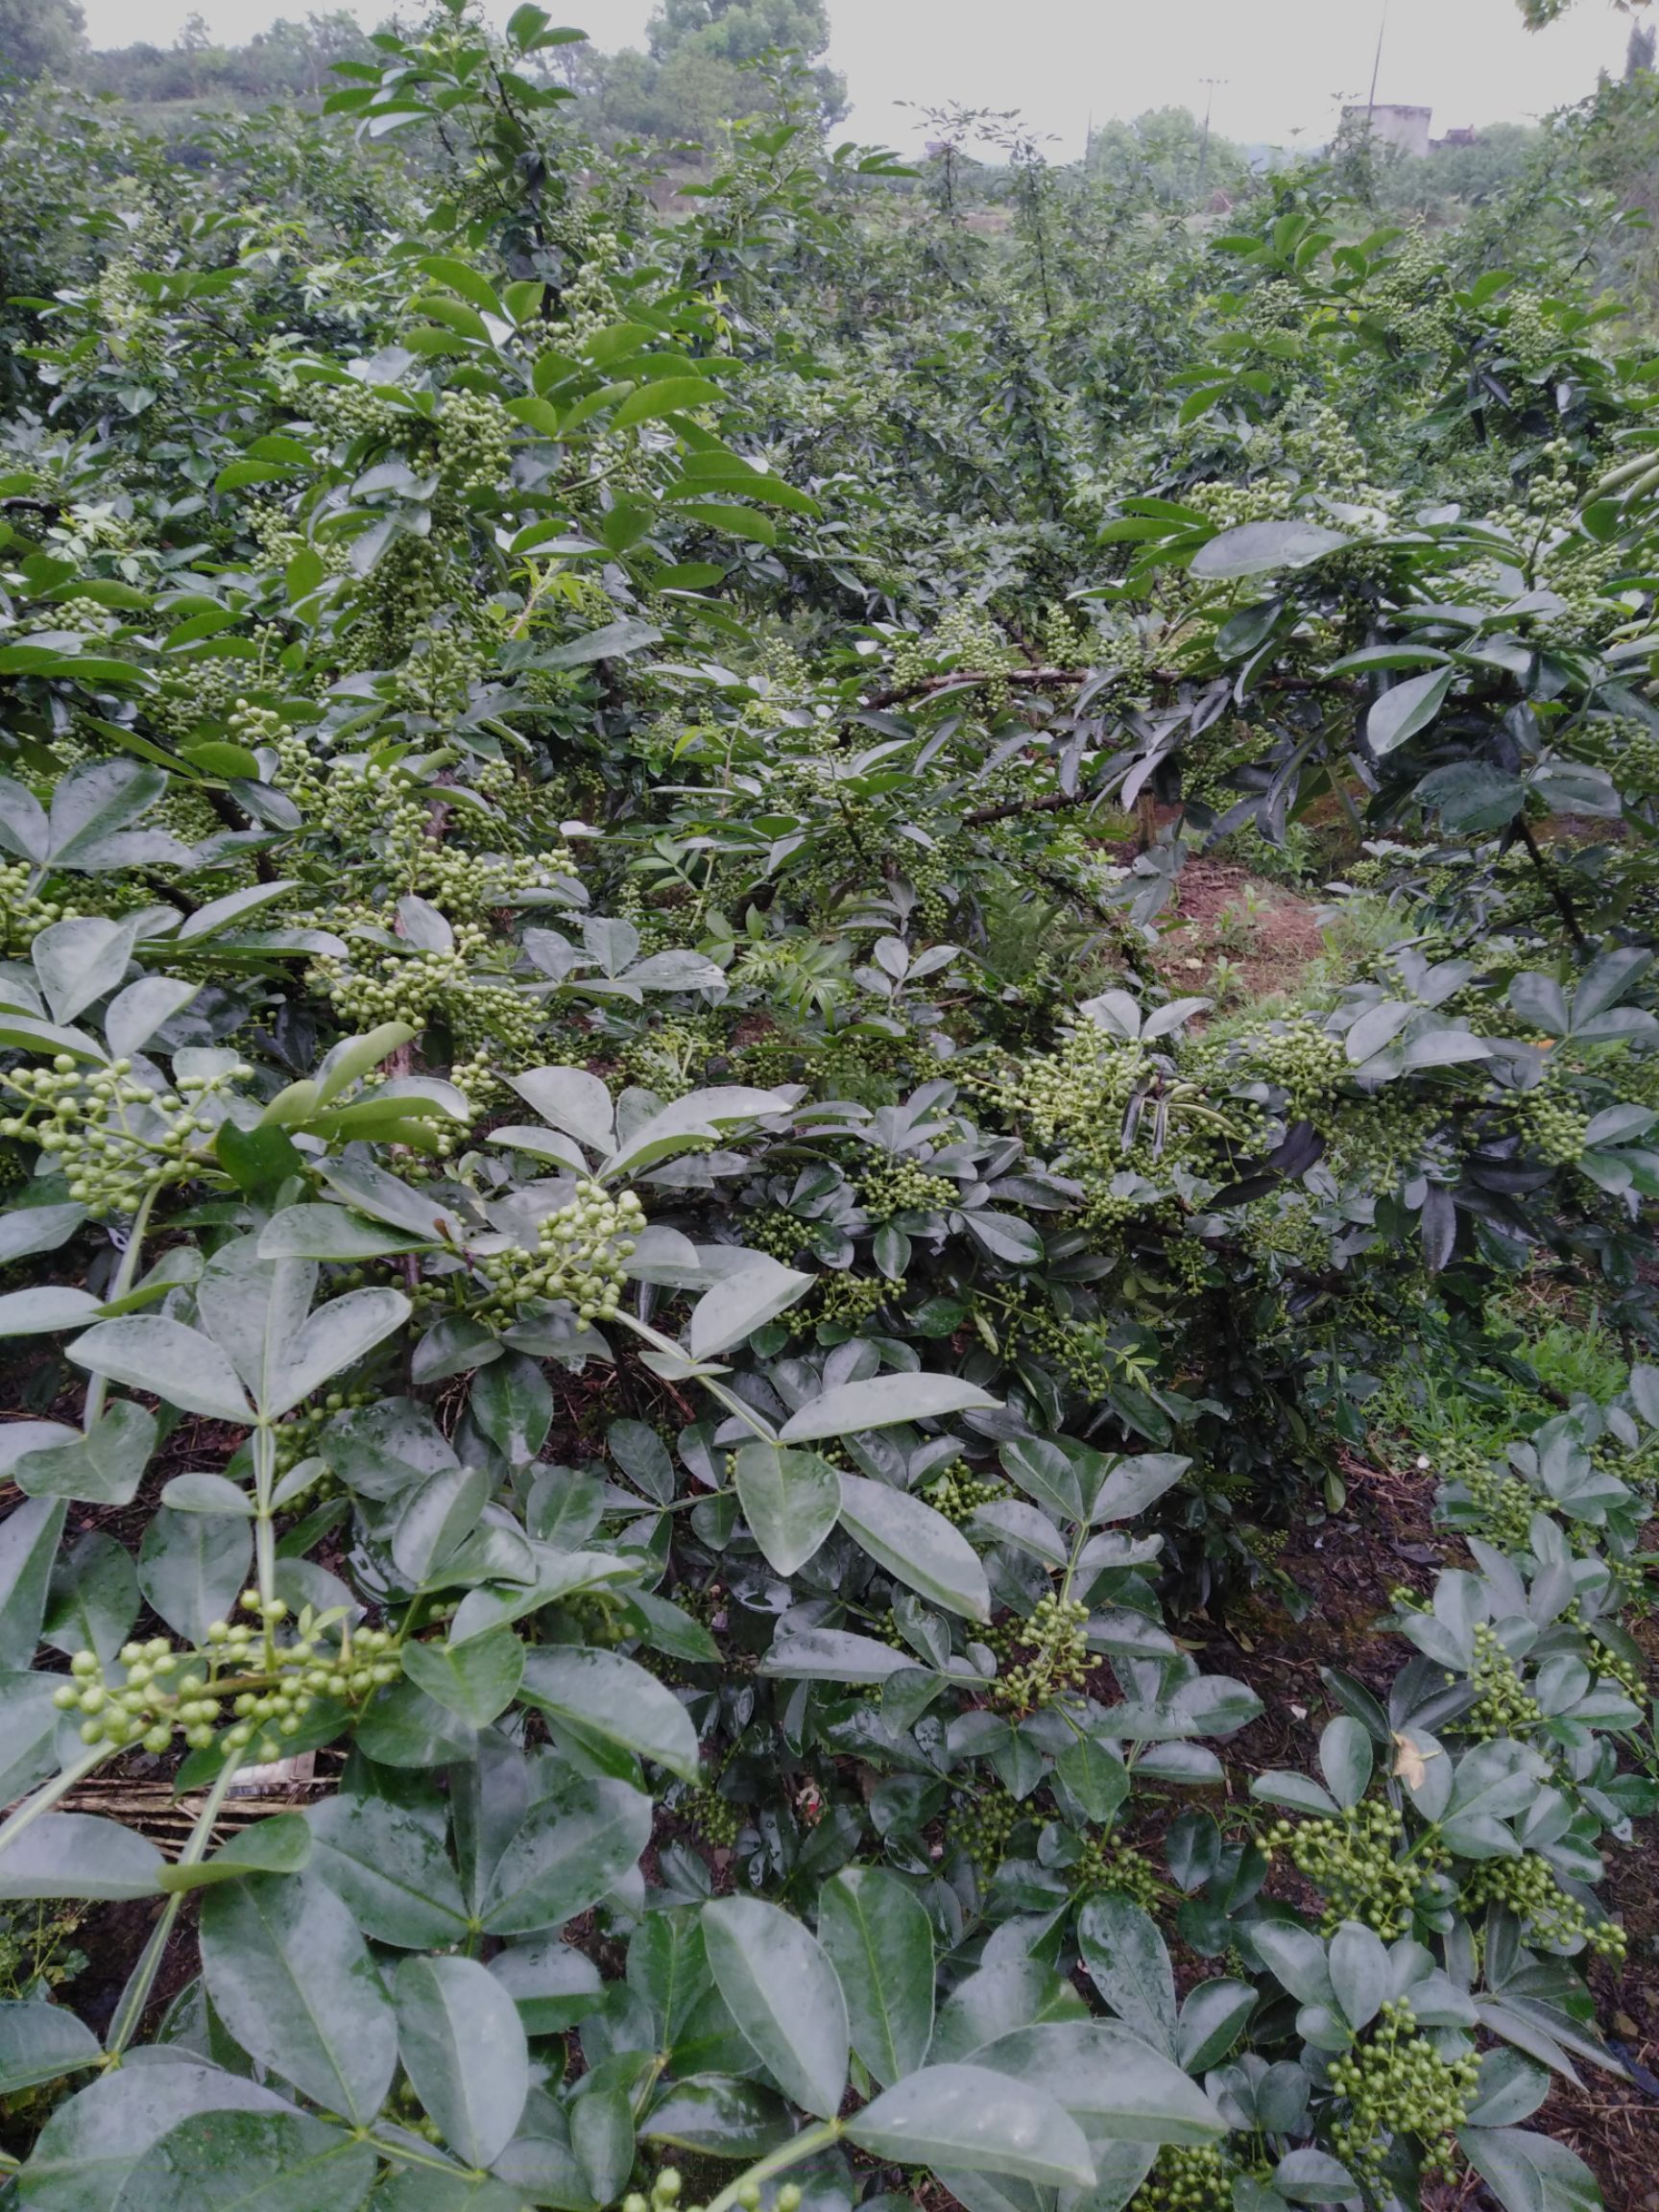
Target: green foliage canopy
[620, 1215]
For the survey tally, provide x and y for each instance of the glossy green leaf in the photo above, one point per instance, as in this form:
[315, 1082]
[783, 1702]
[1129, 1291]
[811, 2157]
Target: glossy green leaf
[879, 1942]
[600, 1693]
[249, 2162]
[1126, 1959]
[570, 1848]
[476, 1680]
[783, 1991]
[850, 1407]
[40, 2042]
[77, 1855]
[958, 2115]
[192, 1567]
[292, 1981]
[1110, 2081]
[917, 1544]
[391, 1868]
[90, 2145]
[463, 2045]
[146, 1352]
[279, 1844]
[790, 1499]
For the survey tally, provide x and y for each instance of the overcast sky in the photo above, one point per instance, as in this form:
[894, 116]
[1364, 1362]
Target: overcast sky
[1286, 63]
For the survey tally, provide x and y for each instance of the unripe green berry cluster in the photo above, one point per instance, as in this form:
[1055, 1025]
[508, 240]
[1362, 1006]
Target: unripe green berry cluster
[715, 1818]
[1503, 1705]
[1528, 1888]
[112, 1134]
[905, 1186]
[1397, 2083]
[400, 987]
[1056, 1639]
[666, 2188]
[144, 1703]
[267, 1687]
[1118, 1870]
[1195, 2179]
[958, 1496]
[1357, 1863]
[982, 1827]
[475, 441]
[23, 912]
[1555, 1127]
[291, 1678]
[580, 1255]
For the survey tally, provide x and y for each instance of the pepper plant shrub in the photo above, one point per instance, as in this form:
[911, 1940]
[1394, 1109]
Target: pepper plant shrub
[608, 1219]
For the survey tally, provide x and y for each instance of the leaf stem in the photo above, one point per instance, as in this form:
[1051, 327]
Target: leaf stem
[264, 1452]
[142, 1979]
[98, 1389]
[749, 1419]
[799, 2148]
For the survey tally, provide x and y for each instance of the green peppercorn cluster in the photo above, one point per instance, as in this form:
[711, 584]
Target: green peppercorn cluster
[715, 1819]
[579, 1256]
[23, 912]
[297, 1437]
[296, 1674]
[1299, 1057]
[470, 882]
[401, 987]
[1503, 1705]
[958, 1496]
[443, 664]
[269, 1687]
[1499, 1502]
[144, 1704]
[848, 1301]
[1055, 1642]
[1357, 1863]
[1117, 1868]
[774, 1231]
[475, 441]
[904, 1186]
[964, 638]
[1186, 2179]
[666, 2192]
[1078, 1095]
[406, 595]
[112, 1134]
[349, 408]
[983, 1826]
[667, 1059]
[1397, 2083]
[408, 2112]
[256, 725]
[1555, 1127]
[1528, 1888]
[597, 1616]
[1074, 1348]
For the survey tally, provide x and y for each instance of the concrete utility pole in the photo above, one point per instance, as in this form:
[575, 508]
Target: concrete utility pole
[1377, 66]
[1204, 156]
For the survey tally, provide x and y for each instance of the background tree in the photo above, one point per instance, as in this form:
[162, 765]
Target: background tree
[689, 80]
[1162, 155]
[41, 37]
[1536, 14]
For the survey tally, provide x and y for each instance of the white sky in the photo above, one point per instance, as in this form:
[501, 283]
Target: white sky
[1287, 64]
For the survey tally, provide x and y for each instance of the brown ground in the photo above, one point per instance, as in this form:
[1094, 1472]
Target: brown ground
[1267, 952]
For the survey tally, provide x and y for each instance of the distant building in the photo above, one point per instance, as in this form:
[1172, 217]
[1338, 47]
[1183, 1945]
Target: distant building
[1454, 138]
[1406, 129]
